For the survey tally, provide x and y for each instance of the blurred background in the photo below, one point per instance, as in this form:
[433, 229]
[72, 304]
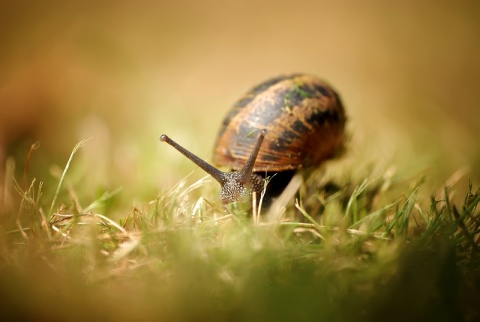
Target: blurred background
[124, 72]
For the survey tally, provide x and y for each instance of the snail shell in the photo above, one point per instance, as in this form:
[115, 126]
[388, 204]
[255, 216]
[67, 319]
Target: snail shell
[304, 118]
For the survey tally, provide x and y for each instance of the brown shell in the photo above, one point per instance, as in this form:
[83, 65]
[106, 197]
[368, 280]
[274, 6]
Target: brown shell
[304, 117]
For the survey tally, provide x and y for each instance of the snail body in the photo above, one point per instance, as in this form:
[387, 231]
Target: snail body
[301, 121]
[236, 186]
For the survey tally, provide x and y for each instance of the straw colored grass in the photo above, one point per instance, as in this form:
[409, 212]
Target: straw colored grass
[332, 248]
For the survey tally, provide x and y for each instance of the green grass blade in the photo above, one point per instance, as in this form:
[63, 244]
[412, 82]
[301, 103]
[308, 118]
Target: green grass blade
[62, 178]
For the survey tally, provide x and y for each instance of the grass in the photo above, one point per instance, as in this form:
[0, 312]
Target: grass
[372, 248]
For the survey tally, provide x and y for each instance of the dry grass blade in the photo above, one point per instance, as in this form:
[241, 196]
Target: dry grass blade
[278, 207]
[33, 147]
[6, 196]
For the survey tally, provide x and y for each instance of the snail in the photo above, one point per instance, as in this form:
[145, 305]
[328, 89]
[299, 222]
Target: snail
[284, 124]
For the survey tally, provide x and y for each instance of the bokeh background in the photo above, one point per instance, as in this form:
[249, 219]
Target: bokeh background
[124, 72]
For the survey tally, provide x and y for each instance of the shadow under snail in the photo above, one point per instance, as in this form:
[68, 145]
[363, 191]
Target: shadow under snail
[281, 125]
